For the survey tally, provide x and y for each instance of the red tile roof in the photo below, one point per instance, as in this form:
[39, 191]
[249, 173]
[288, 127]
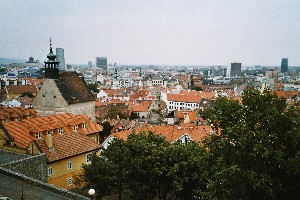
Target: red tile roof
[141, 107]
[171, 133]
[69, 145]
[192, 115]
[24, 131]
[9, 113]
[190, 96]
[19, 89]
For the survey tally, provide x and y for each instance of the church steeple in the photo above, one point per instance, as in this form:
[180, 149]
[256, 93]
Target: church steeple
[51, 66]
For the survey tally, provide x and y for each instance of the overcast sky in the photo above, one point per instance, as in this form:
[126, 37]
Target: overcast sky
[173, 32]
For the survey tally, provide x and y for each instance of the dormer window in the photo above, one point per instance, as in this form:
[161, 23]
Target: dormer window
[38, 135]
[60, 131]
[84, 126]
[75, 127]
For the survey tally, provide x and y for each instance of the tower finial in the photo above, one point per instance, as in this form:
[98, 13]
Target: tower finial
[50, 45]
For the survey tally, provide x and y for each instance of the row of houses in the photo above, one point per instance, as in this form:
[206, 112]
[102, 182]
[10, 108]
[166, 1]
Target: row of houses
[67, 140]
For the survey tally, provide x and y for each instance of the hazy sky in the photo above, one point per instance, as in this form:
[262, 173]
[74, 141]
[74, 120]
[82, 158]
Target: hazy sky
[174, 32]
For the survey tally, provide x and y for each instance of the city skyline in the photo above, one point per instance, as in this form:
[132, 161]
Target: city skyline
[167, 32]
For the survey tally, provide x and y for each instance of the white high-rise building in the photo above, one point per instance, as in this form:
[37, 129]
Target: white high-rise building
[60, 56]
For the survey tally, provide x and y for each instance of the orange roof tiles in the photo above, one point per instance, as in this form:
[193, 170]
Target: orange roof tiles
[34, 81]
[192, 115]
[23, 131]
[171, 133]
[19, 89]
[142, 107]
[12, 112]
[190, 96]
[65, 146]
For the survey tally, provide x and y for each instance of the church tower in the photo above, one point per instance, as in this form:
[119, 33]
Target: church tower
[51, 66]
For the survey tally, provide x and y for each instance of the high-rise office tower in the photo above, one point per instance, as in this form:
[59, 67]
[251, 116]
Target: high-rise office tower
[101, 62]
[235, 69]
[90, 64]
[284, 65]
[60, 57]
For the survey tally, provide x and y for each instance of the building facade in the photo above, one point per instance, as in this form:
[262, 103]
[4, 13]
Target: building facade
[235, 69]
[60, 57]
[101, 62]
[63, 92]
[284, 65]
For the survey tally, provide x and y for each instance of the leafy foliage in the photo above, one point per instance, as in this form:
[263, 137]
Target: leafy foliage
[93, 87]
[253, 154]
[255, 149]
[106, 130]
[27, 94]
[146, 166]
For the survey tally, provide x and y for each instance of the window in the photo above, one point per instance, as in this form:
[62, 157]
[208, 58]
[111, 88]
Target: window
[75, 127]
[70, 181]
[60, 130]
[38, 135]
[69, 165]
[50, 171]
[88, 158]
[50, 132]
[84, 125]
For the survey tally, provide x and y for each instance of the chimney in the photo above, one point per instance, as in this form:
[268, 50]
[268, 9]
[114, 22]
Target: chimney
[49, 141]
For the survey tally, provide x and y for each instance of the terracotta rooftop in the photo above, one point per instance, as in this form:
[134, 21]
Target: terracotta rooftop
[287, 94]
[192, 115]
[34, 81]
[190, 96]
[141, 107]
[73, 88]
[69, 145]
[24, 131]
[171, 133]
[19, 89]
[8, 113]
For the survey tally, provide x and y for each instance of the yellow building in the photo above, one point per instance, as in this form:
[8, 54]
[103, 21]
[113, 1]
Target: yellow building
[65, 155]
[67, 140]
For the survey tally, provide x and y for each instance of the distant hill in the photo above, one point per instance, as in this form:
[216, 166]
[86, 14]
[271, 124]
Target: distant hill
[11, 60]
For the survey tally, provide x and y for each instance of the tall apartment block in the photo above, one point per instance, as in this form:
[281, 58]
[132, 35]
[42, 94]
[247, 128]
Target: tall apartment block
[284, 65]
[235, 69]
[60, 57]
[101, 62]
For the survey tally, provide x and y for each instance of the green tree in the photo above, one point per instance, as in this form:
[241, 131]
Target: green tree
[197, 88]
[27, 94]
[146, 166]
[93, 87]
[254, 153]
[133, 116]
[108, 173]
[106, 130]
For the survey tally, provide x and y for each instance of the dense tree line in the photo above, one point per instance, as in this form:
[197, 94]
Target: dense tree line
[253, 154]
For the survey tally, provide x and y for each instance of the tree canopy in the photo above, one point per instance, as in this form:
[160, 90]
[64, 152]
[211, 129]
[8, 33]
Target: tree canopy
[146, 166]
[254, 153]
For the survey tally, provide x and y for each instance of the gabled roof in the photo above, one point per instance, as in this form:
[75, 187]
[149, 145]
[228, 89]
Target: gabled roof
[190, 96]
[171, 133]
[69, 145]
[19, 89]
[181, 114]
[34, 81]
[23, 131]
[11, 112]
[142, 107]
[73, 88]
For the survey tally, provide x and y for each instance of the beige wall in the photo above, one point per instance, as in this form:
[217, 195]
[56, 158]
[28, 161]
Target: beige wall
[49, 101]
[61, 173]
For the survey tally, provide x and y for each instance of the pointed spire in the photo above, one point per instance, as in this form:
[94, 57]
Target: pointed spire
[50, 45]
